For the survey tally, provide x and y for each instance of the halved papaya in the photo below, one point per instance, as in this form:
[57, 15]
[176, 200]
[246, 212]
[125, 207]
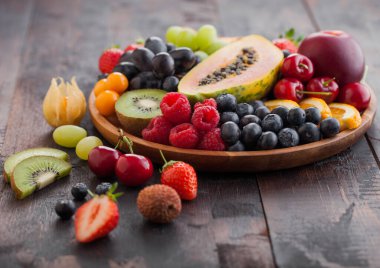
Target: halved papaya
[261, 61]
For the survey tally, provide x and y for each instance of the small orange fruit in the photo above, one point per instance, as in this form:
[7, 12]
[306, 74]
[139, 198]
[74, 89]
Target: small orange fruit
[117, 82]
[272, 104]
[348, 116]
[100, 86]
[317, 103]
[105, 102]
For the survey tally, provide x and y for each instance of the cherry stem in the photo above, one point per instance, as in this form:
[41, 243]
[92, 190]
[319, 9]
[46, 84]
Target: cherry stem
[316, 93]
[120, 140]
[326, 83]
[303, 66]
[129, 143]
[163, 157]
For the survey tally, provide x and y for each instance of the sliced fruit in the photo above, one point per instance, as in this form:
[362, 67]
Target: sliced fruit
[317, 103]
[37, 172]
[12, 161]
[246, 68]
[136, 108]
[348, 116]
[272, 104]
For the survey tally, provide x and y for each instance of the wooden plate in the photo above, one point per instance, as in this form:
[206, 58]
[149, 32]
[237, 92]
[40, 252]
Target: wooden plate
[249, 161]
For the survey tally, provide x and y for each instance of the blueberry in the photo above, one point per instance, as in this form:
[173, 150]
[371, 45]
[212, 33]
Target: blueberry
[170, 47]
[129, 69]
[256, 104]
[296, 117]
[170, 84]
[142, 58]
[226, 103]
[163, 65]
[245, 120]
[237, 147]
[184, 59]
[309, 132]
[102, 188]
[330, 127]
[288, 137]
[313, 115]
[145, 80]
[272, 122]
[267, 141]
[65, 209]
[126, 57]
[229, 116]
[243, 109]
[286, 53]
[261, 112]
[282, 112]
[79, 191]
[230, 132]
[155, 44]
[250, 134]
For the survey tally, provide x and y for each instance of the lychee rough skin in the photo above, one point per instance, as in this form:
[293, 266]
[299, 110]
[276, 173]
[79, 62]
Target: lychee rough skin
[159, 203]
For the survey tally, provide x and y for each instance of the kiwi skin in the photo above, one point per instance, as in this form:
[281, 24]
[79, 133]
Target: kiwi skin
[131, 125]
[32, 165]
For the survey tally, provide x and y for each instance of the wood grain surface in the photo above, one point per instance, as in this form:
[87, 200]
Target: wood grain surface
[325, 214]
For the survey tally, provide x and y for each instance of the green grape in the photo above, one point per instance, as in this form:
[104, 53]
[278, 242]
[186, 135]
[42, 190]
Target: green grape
[68, 135]
[201, 54]
[215, 46]
[206, 35]
[188, 38]
[172, 34]
[86, 145]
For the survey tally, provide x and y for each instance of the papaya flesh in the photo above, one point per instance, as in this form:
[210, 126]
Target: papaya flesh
[251, 84]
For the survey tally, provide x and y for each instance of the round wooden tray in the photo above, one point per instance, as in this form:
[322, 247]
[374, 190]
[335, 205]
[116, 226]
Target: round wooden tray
[249, 161]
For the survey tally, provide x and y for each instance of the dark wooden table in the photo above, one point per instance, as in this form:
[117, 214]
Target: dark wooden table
[322, 215]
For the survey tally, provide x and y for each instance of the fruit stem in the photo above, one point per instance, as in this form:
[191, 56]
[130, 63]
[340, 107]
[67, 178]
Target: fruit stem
[326, 83]
[303, 66]
[166, 164]
[163, 157]
[129, 143]
[316, 93]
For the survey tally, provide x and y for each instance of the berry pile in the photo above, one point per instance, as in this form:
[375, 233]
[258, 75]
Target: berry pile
[180, 127]
[156, 65]
[251, 126]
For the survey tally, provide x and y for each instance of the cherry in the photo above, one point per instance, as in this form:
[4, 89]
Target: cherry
[356, 94]
[289, 89]
[102, 161]
[323, 84]
[132, 169]
[298, 66]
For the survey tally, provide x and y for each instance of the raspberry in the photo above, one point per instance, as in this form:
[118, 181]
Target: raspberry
[212, 141]
[176, 108]
[207, 102]
[205, 118]
[184, 136]
[158, 130]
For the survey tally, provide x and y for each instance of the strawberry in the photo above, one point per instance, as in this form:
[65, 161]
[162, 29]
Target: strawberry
[133, 47]
[109, 59]
[97, 217]
[180, 176]
[288, 41]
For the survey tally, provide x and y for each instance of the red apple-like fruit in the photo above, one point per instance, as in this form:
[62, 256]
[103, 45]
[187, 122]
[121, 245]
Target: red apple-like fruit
[356, 94]
[102, 161]
[334, 54]
[133, 169]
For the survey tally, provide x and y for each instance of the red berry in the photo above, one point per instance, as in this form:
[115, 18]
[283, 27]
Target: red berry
[133, 169]
[102, 161]
[184, 136]
[298, 66]
[207, 102]
[132, 47]
[212, 141]
[182, 177]
[356, 94]
[176, 108]
[158, 130]
[285, 44]
[289, 89]
[109, 59]
[326, 85]
[205, 118]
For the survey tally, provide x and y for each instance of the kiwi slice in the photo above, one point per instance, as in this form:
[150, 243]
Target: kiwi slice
[37, 172]
[136, 108]
[11, 162]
